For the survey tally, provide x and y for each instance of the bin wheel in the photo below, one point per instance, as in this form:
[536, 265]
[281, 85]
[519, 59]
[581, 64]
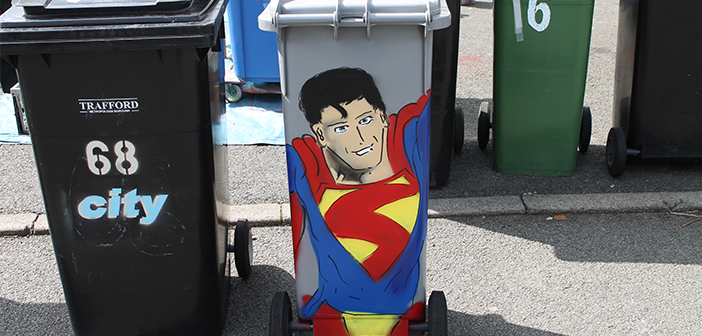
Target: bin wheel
[243, 248]
[233, 93]
[281, 315]
[616, 151]
[483, 126]
[437, 319]
[458, 130]
[585, 130]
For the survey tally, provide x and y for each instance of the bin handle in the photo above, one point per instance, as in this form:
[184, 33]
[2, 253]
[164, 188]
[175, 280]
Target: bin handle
[367, 19]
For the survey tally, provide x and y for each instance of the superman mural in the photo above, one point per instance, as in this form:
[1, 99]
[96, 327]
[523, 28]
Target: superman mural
[358, 191]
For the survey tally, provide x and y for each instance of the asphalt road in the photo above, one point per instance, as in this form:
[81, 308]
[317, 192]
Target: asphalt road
[592, 274]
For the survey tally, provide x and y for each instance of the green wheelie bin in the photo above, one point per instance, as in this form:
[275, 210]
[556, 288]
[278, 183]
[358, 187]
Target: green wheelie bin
[538, 120]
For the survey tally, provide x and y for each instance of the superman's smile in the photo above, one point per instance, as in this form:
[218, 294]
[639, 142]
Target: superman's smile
[364, 151]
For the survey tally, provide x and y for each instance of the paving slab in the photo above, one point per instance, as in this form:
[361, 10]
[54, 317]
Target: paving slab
[257, 214]
[17, 224]
[621, 202]
[41, 225]
[476, 206]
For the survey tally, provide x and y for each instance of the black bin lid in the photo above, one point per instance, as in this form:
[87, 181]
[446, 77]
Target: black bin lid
[36, 8]
[49, 26]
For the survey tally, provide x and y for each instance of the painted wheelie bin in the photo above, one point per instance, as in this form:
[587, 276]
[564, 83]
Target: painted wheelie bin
[540, 65]
[447, 123]
[657, 103]
[254, 52]
[356, 80]
[124, 108]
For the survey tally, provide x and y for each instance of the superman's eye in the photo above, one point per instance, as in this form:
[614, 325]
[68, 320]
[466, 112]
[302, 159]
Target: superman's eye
[365, 121]
[341, 129]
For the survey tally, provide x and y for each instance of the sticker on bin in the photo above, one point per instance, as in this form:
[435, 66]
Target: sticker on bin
[358, 199]
[110, 105]
[116, 204]
[532, 9]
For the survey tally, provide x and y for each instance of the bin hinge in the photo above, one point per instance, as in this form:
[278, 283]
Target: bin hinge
[367, 19]
[276, 21]
[12, 59]
[337, 19]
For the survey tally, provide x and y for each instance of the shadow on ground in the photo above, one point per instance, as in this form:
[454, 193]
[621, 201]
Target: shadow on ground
[488, 325]
[653, 238]
[30, 319]
[472, 173]
[250, 308]
[250, 300]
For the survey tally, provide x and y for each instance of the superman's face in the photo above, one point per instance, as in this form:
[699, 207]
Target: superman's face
[359, 139]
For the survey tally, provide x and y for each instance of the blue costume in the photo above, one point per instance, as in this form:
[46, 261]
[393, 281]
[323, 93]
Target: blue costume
[342, 283]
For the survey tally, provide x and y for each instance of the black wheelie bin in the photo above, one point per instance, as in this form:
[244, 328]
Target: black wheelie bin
[658, 83]
[447, 123]
[124, 105]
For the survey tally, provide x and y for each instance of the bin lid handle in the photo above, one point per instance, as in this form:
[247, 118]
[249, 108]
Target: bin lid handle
[367, 19]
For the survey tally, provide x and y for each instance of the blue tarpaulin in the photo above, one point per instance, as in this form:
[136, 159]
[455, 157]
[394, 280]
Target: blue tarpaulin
[255, 119]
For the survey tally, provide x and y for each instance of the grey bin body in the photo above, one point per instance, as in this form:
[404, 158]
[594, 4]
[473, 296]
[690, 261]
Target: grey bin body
[345, 276]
